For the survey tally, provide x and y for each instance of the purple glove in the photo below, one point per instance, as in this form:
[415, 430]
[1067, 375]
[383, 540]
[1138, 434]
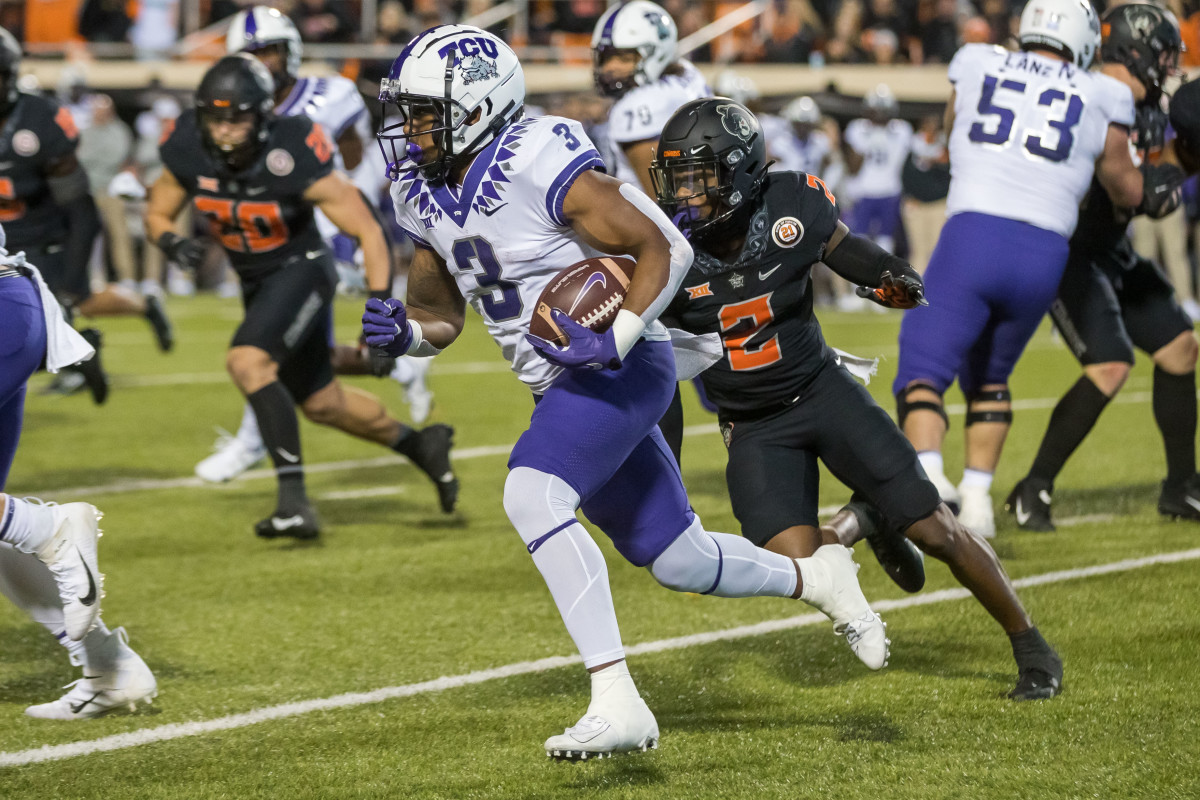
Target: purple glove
[585, 349]
[385, 326]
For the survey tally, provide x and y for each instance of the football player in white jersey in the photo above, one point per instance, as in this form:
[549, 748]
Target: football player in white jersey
[633, 52]
[1027, 131]
[335, 104]
[876, 147]
[497, 205]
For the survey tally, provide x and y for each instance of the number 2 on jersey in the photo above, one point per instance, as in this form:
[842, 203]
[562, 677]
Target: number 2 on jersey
[1062, 125]
[743, 356]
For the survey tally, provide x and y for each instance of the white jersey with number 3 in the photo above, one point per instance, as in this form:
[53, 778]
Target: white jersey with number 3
[1028, 129]
[503, 234]
[642, 113]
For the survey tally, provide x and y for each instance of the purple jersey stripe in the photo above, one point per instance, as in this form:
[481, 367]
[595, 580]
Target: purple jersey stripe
[562, 184]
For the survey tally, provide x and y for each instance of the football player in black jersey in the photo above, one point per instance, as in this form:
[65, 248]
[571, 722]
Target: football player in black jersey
[785, 399]
[1111, 300]
[42, 187]
[257, 177]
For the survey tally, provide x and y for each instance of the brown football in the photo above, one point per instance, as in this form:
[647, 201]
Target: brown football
[590, 292]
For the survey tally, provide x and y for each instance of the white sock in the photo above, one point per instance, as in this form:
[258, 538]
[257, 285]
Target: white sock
[931, 462]
[817, 582]
[976, 477]
[24, 525]
[611, 685]
[248, 432]
[403, 372]
[542, 509]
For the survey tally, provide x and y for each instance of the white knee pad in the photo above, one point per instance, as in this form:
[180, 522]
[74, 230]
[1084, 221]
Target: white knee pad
[723, 565]
[537, 502]
[691, 563]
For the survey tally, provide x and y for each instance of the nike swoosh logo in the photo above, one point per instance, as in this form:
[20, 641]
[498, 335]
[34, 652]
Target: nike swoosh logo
[762, 276]
[75, 709]
[487, 212]
[1045, 497]
[256, 190]
[1022, 515]
[593, 279]
[89, 598]
[837, 359]
[311, 254]
[1191, 501]
[291, 458]
[290, 522]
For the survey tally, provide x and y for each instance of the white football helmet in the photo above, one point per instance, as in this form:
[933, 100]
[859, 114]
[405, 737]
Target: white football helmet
[451, 72]
[802, 111]
[1068, 27]
[637, 25]
[882, 100]
[260, 26]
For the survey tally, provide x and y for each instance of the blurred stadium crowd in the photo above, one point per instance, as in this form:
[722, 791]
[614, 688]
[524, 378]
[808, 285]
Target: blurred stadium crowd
[899, 151]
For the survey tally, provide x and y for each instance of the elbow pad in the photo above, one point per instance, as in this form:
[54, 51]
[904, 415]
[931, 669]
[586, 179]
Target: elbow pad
[681, 251]
[861, 261]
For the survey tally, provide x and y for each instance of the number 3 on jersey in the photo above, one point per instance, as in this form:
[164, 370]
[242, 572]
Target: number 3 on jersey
[742, 354]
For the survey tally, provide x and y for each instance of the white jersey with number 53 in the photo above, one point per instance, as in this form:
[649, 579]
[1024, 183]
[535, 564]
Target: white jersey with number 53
[503, 234]
[1027, 132]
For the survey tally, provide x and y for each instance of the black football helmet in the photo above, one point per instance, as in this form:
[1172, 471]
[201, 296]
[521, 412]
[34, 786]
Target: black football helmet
[1145, 39]
[713, 148]
[10, 70]
[236, 86]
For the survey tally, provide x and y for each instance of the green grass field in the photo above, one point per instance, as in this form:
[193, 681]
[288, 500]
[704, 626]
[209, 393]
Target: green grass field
[396, 594]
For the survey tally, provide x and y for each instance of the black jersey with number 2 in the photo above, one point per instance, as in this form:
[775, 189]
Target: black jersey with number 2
[259, 214]
[762, 304]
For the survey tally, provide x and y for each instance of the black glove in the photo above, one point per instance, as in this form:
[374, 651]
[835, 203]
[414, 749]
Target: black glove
[1161, 192]
[187, 253]
[905, 289]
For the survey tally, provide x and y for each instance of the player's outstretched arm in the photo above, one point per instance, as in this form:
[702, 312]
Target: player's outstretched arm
[1116, 171]
[167, 198]
[340, 200]
[618, 219]
[882, 277]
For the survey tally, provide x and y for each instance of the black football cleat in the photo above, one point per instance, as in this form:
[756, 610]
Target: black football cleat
[299, 524]
[1039, 682]
[1029, 502]
[899, 557]
[92, 370]
[429, 449]
[1182, 502]
[156, 315]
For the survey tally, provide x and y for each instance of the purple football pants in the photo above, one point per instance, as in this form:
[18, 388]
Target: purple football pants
[22, 346]
[598, 432]
[989, 283]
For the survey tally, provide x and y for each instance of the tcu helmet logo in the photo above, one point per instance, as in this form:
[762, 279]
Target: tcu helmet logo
[787, 231]
[734, 120]
[472, 57]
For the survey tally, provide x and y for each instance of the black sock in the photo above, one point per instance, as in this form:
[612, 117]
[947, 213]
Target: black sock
[1031, 650]
[1073, 418]
[406, 440]
[1175, 412]
[276, 413]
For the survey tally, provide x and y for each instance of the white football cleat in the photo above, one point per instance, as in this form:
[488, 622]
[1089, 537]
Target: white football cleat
[70, 556]
[410, 373]
[838, 595]
[976, 513]
[231, 457]
[632, 729]
[128, 683]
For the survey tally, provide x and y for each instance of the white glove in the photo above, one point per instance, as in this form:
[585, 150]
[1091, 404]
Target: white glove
[126, 186]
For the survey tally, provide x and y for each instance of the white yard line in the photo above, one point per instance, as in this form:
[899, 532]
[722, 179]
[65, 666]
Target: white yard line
[164, 733]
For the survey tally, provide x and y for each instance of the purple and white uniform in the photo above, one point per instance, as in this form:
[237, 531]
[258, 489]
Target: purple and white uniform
[1027, 132]
[504, 237]
[874, 191]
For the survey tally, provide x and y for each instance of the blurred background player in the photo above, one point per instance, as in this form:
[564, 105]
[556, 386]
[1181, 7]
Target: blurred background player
[634, 63]
[592, 443]
[875, 149]
[1112, 300]
[257, 177]
[334, 103]
[925, 179]
[1013, 206]
[48, 565]
[42, 187]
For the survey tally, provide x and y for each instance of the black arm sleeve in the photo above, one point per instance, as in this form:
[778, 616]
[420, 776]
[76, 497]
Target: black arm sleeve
[861, 261]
